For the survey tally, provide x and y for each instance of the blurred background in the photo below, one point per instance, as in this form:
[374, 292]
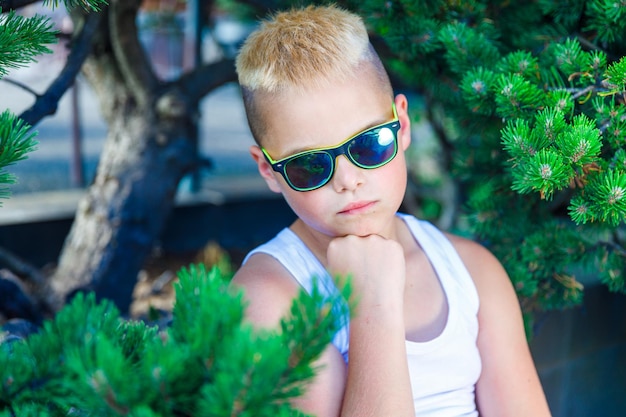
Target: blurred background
[70, 141]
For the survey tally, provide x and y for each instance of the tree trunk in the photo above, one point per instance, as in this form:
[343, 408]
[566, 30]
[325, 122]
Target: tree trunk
[149, 147]
[124, 210]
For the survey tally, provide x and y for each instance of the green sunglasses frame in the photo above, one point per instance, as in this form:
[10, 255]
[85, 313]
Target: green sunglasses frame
[334, 152]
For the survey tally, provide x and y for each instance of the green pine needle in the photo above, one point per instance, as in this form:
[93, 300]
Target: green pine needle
[94, 5]
[570, 58]
[466, 48]
[561, 100]
[597, 62]
[581, 142]
[22, 39]
[581, 211]
[89, 361]
[550, 124]
[545, 172]
[477, 89]
[606, 20]
[16, 141]
[609, 195]
[517, 97]
[616, 76]
[521, 63]
[521, 142]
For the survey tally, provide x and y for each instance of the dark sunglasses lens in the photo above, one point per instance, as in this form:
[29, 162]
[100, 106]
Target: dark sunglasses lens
[309, 171]
[374, 147]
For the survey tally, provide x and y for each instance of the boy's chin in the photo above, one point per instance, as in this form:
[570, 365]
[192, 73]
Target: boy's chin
[360, 232]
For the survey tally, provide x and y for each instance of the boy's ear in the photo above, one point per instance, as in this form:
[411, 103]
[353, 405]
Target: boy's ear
[265, 169]
[402, 108]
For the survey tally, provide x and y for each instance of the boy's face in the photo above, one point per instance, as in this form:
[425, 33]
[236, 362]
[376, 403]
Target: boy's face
[355, 201]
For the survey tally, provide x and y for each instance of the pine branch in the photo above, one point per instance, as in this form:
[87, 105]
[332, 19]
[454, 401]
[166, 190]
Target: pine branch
[16, 140]
[577, 92]
[22, 39]
[9, 5]
[93, 5]
[208, 363]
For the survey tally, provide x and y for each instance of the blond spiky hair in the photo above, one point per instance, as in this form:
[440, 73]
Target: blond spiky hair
[302, 48]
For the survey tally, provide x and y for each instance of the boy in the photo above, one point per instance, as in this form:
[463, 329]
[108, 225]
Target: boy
[437, 331]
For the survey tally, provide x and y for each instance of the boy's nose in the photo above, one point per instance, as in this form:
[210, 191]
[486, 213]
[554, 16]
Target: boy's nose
[347, 176]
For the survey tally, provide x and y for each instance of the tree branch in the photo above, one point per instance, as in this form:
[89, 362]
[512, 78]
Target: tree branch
[28, 273]
[19, 266]
[204, 79]
[129, 53]
[15, 301]
[8, 5]
[20, 85]
[440, 132]
[47, 103]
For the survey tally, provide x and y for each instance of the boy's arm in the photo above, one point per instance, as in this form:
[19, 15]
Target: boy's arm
[270, 291]
[377, 381]
[509, 384]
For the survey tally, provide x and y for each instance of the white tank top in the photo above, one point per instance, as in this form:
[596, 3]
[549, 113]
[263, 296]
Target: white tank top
[443, 370]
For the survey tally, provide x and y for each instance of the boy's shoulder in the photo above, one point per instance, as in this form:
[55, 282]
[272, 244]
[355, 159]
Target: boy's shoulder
[268, 289]
[485, 269]
[470, 250]
[264, 271]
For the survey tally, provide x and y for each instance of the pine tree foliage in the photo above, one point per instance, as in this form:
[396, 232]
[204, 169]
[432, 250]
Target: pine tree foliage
[537, 91]
[93, 5]
[22, 40]
[531, 100]
[16, 140]
[88, 361]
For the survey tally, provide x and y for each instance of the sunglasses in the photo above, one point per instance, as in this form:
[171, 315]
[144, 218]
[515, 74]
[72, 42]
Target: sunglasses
[312, 169]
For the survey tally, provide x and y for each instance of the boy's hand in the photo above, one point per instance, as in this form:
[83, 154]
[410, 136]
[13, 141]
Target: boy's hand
[376, 265]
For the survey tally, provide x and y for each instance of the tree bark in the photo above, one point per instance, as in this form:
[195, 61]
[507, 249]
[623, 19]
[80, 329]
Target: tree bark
[149, 148]
[125, 208]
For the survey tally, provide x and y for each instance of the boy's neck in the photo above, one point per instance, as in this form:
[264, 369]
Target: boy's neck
[316, 242]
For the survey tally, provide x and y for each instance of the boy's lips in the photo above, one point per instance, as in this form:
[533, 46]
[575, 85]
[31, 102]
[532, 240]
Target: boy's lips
[357, 207]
